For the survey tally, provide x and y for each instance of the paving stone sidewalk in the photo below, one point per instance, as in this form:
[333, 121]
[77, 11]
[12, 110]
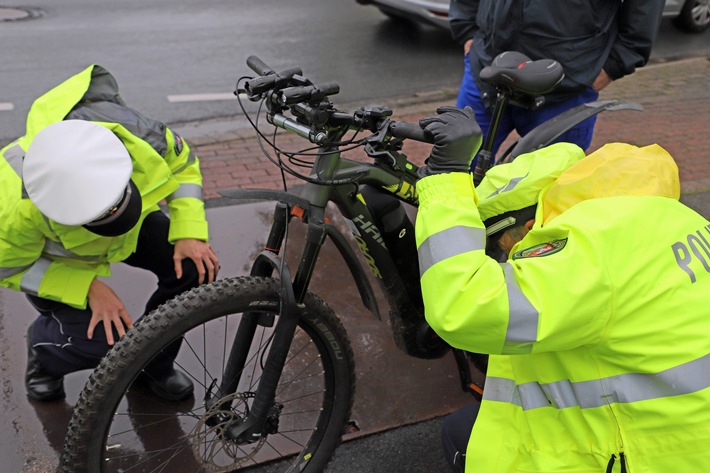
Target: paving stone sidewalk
[675, 96]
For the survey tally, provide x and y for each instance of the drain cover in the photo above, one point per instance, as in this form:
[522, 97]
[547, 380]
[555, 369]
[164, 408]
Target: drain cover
[19, 13]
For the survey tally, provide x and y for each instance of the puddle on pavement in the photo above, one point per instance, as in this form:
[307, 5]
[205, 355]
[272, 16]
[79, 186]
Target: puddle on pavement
[392, 388]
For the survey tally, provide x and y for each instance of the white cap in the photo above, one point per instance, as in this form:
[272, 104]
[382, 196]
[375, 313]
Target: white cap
[74, 171]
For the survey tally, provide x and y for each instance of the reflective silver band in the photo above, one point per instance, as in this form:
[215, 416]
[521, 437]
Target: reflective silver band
[186, 190]
[687, 378]
[522, 317]
[52, 248]
[450, 242]
[14, 156]
[508, 187]
[33, 277]
[39, 267]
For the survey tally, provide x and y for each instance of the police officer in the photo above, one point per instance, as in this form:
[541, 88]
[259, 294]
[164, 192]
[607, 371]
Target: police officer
[81, 191]
[597, 323]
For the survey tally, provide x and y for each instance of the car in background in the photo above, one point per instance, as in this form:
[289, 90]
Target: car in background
[692, 16]
[433, 12]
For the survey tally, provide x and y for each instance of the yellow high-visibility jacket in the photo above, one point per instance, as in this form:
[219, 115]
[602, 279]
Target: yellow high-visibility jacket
[598, 325]
[44, 258]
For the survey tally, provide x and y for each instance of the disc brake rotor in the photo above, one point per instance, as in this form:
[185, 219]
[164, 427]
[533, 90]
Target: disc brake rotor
[211, 445]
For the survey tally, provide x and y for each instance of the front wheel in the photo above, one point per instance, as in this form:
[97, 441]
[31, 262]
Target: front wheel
[120, 426]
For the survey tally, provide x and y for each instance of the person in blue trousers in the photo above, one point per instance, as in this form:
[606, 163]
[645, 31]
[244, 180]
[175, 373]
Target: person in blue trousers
[595, 41]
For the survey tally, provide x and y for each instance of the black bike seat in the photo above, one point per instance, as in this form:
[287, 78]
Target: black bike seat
[520, 74]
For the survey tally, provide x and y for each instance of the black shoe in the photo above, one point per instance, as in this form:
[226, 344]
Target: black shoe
[172, 386]
[40, 385]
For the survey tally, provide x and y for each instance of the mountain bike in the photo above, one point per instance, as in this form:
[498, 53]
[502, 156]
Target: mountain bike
[272, 364]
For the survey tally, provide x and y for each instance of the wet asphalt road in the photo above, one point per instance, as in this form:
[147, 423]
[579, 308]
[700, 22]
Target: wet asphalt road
[183, 48]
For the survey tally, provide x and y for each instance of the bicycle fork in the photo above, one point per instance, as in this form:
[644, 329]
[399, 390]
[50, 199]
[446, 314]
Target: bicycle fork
[256, 424]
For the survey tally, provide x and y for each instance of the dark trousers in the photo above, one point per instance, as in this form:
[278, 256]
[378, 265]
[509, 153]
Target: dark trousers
[59, 333]
[455, 432]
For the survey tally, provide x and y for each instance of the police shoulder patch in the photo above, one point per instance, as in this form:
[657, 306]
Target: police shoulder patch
[543, 249]
[178, 144]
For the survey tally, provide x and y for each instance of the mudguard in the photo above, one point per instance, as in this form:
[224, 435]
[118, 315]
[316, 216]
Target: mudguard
[367, 294]
[266, 194]
[548, 131]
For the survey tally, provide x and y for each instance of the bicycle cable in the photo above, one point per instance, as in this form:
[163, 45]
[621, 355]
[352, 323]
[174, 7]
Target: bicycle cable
[294, 156]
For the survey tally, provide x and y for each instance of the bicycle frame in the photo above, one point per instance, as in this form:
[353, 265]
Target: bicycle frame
[338, 180]
[401, 287]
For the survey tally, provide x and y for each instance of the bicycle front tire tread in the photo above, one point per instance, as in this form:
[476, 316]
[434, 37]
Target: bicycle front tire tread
[109, 381]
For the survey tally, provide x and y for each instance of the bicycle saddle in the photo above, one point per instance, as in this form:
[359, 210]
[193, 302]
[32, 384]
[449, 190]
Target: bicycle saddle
[520, 74]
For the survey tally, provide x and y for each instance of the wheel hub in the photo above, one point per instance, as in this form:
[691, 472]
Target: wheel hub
[212, 443]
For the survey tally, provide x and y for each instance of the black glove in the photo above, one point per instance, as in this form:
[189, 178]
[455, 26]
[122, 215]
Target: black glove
[457, 137]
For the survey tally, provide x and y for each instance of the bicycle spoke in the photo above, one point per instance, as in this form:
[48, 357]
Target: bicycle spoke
[143, 433]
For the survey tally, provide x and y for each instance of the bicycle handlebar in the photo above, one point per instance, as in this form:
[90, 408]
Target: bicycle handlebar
[298, 94]
[293, 126]
[263, 83]
[258, 66]
[289, 88]
[410, 131]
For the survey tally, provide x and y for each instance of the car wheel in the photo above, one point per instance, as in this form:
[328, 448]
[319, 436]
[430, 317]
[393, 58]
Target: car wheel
[694, 17]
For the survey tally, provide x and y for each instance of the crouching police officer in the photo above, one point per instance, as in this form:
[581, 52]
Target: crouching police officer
[81, 191]
[597, 323]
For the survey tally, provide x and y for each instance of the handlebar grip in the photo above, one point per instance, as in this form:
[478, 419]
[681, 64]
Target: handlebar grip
[260, 84]
[258, 66]
[263, 83]
[294, 95]
[328, 88]
[411, 131]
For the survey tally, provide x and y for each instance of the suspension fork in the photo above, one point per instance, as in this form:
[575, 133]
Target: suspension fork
[250, 320]
[252, 429]
[292, 294]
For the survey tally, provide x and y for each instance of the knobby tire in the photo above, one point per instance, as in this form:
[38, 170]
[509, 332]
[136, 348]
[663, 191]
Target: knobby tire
[119, 425]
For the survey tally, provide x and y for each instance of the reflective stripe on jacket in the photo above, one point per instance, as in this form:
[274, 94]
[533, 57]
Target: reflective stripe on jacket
[58, 262]
[598, 329]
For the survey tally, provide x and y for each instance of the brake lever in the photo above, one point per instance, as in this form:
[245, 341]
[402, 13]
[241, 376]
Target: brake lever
[382, 146]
